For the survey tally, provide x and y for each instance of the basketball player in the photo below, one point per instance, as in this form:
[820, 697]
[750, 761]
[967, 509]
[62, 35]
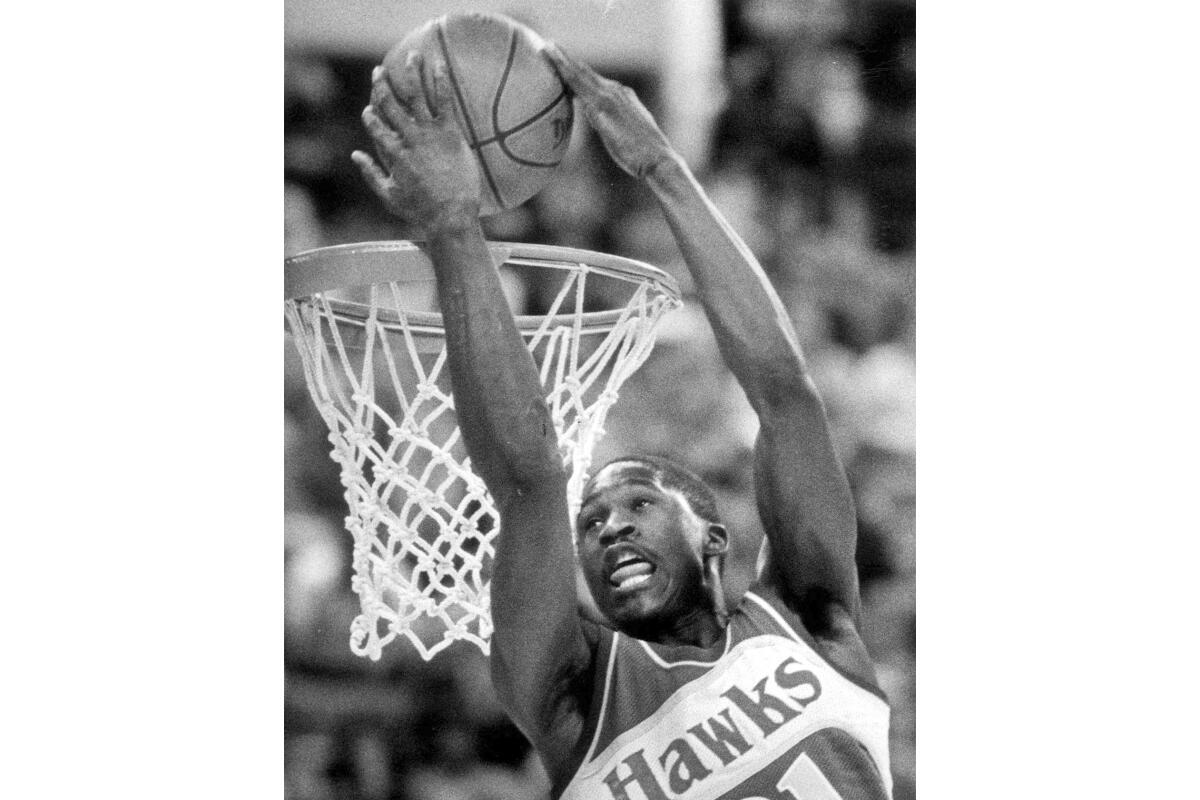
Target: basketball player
[682, 698]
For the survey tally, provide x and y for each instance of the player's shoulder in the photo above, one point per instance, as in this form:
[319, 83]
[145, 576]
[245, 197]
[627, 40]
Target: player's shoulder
[828, 628]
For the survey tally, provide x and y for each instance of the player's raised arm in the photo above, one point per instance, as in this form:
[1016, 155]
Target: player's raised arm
[426, 174]
[803, 494]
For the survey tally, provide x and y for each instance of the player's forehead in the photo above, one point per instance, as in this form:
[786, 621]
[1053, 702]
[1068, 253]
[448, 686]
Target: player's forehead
[619, 475]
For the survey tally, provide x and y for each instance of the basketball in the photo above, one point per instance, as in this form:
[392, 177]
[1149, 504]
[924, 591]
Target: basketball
[511, 105]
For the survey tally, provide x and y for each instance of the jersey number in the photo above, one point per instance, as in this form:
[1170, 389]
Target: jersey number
[803, 781]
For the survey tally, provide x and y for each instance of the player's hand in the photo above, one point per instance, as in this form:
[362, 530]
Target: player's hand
[425, 171]
[628, 130]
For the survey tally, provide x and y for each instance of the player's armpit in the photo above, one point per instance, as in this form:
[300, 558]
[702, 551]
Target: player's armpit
[832, 626]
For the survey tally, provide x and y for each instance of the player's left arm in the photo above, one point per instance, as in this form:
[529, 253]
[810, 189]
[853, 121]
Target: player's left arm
[803, 494]
[542, 653]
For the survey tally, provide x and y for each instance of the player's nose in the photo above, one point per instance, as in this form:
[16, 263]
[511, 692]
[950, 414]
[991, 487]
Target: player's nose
[616, 530]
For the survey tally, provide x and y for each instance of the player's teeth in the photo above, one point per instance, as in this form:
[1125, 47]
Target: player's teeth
[631, 569]
[634, 581]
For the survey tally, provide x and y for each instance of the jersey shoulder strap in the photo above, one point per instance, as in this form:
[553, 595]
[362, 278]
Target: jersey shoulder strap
[766, 611]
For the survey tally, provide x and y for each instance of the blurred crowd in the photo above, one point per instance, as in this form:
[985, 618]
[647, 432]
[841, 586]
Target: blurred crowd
[813, 163]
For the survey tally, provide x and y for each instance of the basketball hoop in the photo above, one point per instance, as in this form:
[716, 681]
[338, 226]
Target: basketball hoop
[374, 360]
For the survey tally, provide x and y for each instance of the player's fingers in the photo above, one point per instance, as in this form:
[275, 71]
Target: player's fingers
[375, 177]
[385, 139]
[407, 85]
[581, 78]
[441, 94]
[390, 109]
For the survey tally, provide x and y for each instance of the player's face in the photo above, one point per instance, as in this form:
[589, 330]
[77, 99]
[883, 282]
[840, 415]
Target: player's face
[639, 545]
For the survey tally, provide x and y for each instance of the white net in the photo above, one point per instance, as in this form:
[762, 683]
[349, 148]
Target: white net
[422, 522]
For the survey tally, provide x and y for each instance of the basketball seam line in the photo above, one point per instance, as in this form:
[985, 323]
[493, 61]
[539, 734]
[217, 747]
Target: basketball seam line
[462, 104]
[501, 136]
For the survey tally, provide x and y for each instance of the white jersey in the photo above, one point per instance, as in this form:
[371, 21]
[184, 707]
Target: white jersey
[761, 714]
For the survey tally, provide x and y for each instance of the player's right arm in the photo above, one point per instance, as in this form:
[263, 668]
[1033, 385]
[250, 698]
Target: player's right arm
[804, 497]
[427, 174]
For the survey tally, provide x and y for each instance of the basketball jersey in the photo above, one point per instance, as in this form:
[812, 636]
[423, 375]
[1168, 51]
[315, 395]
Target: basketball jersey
[759, 715]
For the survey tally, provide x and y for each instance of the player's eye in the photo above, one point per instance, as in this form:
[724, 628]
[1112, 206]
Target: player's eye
[640, 503]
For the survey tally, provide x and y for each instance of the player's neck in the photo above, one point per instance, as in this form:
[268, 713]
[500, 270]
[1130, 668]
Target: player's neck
[698, 628]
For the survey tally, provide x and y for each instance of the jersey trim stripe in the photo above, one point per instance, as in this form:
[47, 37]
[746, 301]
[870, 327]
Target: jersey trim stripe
[779, 620]
[775, 615]
[608, 676]
[672, 664]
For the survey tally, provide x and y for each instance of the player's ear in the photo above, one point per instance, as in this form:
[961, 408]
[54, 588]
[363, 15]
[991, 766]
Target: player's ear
[716, 539]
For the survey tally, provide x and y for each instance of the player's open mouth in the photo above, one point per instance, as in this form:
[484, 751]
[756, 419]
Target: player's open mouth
[631, 571]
